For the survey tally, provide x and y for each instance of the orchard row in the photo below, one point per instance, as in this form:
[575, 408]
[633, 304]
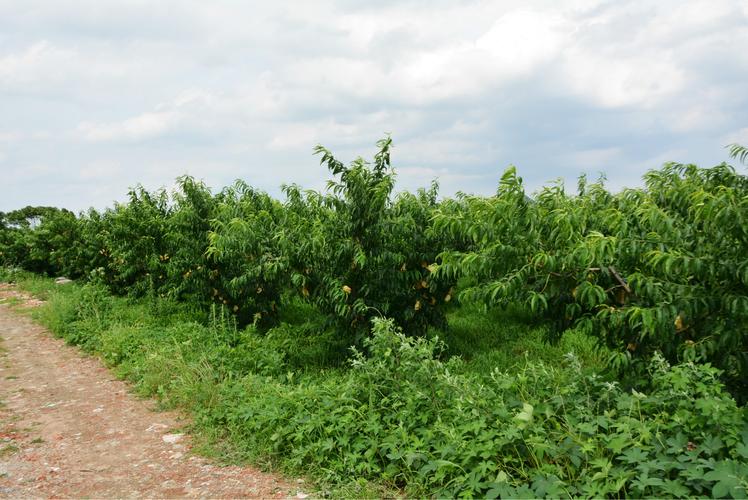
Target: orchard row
[658, 268]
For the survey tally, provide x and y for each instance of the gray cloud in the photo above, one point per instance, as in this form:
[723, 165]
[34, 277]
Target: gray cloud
[99, 96]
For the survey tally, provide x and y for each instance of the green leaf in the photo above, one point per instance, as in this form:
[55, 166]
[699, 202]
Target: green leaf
[525, 416]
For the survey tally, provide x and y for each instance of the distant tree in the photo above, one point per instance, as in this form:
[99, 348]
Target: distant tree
[27, 216]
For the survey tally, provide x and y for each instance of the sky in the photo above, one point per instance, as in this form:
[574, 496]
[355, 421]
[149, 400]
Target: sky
[97, 96]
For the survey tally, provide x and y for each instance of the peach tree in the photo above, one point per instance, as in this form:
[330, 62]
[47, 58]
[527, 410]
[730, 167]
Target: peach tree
[359, 252]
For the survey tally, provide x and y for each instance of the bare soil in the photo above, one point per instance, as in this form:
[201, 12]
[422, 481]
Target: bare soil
[68, 428]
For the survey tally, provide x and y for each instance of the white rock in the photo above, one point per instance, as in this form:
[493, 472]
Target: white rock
[172, 438]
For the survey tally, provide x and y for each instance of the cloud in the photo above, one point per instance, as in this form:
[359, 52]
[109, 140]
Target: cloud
[39, 61]
[117, 93]
[8, 137]
[520, 41]
[737, 137]
[144, 126]
[99, 170]
[621, 80]
[595, 158]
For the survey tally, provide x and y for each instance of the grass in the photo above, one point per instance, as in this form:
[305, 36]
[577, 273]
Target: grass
[196, 363]
[506, 339]
[11, 301]
[289, 399]
[485, 339]
[8, 450]
[39, 286]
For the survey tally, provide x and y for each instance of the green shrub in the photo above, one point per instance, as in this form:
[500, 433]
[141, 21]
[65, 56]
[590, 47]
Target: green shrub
[248, 271]
[189, 275]
[406, 417]
[656, 269]
[403, 416]
[357, 252]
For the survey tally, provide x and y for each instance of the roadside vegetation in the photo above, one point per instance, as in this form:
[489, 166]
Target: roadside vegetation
[589, 344]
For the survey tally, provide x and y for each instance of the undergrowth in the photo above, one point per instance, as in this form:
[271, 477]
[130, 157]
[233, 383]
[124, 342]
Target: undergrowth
[508, 417]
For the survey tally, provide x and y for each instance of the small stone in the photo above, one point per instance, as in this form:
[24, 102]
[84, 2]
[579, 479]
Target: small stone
[172, 438]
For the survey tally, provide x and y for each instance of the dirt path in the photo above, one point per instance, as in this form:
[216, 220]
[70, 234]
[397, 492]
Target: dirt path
[68, 428]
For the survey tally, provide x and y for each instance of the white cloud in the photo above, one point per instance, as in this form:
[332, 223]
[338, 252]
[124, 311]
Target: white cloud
[698, 117]
[37, 61]
[121, 92]
[704, 17]
[8, 137]
[520, 41]
[145, 126]
[618, 80]
[301, 135]
[51, 68]
[441, 150]
[737, 137]
[101, 170]
[29, 173]
[595, 158]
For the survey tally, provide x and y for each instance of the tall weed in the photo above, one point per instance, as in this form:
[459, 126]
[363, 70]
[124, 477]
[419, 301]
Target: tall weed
[405, 417]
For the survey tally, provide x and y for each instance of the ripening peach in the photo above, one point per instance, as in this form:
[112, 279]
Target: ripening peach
[678, 323]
